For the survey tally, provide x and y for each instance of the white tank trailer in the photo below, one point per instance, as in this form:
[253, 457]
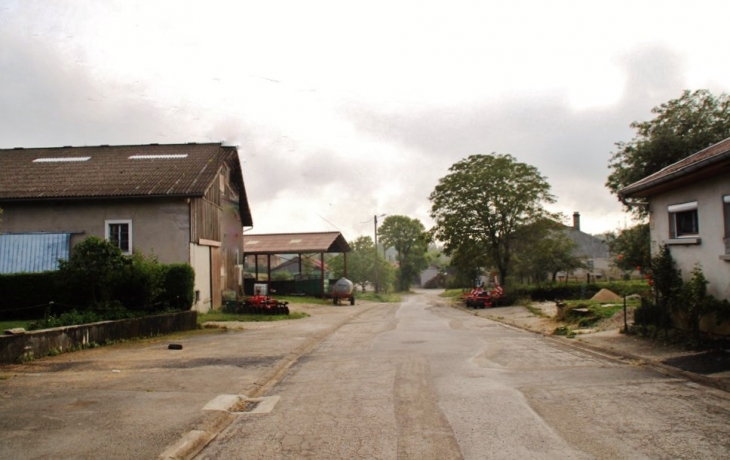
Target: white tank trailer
[343, 289]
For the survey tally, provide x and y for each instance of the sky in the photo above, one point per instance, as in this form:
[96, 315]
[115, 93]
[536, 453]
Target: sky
[344, 110]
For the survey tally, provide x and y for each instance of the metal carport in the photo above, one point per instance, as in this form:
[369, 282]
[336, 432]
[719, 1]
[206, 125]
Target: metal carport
[295, 243]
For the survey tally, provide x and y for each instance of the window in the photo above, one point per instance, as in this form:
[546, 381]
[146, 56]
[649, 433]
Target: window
[683, 221]
[119, 232]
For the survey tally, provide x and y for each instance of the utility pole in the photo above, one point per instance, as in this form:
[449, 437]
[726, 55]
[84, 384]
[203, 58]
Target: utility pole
[375, 265]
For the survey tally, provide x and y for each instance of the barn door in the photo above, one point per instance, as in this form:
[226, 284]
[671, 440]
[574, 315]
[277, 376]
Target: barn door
[215, 277]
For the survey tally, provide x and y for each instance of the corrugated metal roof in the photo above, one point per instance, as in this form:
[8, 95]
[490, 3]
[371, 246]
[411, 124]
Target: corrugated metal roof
[32, 252]
[294, 243]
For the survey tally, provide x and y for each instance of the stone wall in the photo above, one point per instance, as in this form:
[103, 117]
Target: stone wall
[34, 344]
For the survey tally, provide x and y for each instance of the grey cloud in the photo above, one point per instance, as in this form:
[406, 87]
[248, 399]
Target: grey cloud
[572, 148]
[55, 102]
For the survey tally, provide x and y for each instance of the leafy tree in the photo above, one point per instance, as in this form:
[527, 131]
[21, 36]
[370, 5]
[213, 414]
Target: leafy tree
[484, 201]
[408, 237]
[544, 247]
[360, 262]
[468, 262]
[631, 248]
[681, 127]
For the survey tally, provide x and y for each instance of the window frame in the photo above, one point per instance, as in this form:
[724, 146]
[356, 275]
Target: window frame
[675, 211]
[107, 233]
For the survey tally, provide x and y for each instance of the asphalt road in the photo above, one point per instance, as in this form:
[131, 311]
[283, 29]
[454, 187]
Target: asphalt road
[421, 380]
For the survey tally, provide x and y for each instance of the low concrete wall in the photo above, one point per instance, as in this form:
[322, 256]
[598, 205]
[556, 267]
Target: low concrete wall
[37, 343]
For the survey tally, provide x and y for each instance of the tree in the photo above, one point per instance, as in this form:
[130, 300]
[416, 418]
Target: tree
[543, 248]
[359, 262]
[631, 248]
[468, 262]
[681, 127]
[484, 201]
[408, 237]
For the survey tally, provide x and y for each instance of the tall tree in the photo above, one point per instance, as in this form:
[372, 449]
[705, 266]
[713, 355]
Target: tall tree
[484, 201]
[680, 128]
[630, 248]
[408, 237]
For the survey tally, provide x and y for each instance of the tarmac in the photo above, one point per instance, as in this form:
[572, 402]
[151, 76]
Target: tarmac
[711, 368]
[145, 399]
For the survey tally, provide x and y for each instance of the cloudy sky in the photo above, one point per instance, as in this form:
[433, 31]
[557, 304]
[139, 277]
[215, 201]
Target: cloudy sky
[343, 109]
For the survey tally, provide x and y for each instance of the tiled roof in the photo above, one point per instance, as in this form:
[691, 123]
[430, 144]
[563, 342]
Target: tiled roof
[294, 243]
[702, 160]
[110, 171]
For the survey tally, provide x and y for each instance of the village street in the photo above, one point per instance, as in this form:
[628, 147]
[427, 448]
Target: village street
[422, 380]
[419, 379]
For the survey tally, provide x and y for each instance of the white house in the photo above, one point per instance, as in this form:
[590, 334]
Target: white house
[689, 211]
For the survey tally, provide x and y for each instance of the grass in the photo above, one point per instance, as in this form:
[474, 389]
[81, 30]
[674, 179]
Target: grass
[5, 325]
[379, 297]
[453, 293]
[536, 311]
[302, 299]
[220, 316]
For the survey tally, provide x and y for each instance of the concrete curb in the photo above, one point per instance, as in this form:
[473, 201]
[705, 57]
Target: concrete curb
[194, 441]
[650, 363]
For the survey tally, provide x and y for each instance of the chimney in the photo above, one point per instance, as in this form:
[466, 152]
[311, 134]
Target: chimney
[576, 220]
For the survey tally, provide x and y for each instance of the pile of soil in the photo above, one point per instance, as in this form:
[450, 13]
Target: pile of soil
[604, 295]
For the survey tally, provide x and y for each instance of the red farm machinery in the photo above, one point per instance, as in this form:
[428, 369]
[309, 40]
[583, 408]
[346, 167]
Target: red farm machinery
[261, 303]
[479, 297]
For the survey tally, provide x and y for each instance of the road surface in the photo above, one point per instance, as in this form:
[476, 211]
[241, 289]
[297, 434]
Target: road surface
[421, 380]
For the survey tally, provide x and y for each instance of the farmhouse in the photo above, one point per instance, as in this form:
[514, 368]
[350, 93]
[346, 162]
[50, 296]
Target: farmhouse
[184, 203]
[689, 211]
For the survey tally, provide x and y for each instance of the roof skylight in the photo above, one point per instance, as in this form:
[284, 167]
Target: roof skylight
[159, 157]
[61, 159]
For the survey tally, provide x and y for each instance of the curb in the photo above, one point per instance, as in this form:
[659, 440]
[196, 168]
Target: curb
[194, 441]
[654, 365]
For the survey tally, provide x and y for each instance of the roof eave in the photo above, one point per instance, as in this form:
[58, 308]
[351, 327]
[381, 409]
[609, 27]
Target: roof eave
[642, 190]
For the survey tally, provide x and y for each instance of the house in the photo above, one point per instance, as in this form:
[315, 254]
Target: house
[593, 250]
[186, 203]
[689, 211]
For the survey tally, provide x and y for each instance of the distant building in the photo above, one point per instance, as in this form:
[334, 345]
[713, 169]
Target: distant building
[592, 249]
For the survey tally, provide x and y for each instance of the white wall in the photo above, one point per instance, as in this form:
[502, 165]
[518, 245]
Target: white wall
[200, 261]
[710, 213]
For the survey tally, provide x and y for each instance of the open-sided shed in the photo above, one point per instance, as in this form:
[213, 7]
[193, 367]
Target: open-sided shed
[296, 243]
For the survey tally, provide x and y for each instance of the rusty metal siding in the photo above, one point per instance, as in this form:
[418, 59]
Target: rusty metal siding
[33, 252]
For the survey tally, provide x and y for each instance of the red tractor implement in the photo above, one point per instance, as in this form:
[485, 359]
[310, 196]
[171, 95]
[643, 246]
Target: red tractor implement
[483, 298]
[262, 304]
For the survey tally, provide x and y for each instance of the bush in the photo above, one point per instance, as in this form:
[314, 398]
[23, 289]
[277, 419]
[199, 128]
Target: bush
[138, 286]
[178, 286]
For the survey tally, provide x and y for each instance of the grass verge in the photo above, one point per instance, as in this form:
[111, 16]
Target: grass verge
[220, 316]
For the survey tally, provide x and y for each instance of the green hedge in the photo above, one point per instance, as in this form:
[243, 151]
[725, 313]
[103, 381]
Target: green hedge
[138, 288]
[27, 295]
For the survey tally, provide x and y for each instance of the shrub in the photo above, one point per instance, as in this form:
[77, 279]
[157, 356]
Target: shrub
[179, 286]
[138, 285]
